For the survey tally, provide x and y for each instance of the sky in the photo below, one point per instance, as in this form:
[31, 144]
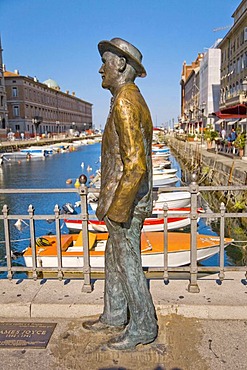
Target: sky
[58, 39]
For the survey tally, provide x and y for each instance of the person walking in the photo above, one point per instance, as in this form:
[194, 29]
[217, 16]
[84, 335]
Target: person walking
[223, 133]
[125, 198]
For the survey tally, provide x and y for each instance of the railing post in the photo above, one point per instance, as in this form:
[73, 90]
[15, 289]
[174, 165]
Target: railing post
[7, 241]
[222, 237]
[165, 276]
[58, 238]
[33, 241]
[194, 188]
[87, 285]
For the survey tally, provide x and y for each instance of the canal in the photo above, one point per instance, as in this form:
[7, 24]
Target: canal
[53, 172]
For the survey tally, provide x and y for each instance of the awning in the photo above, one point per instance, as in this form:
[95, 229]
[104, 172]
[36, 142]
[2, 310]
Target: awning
[219, 121]
[244, 120]
[236, 111]
[230, 123]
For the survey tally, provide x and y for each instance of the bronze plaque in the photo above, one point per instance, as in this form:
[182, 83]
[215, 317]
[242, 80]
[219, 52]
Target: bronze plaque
[23, 334]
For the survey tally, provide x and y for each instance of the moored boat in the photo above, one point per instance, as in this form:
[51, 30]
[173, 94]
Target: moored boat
[174, 199]
[37, 151]
[164, 171]
[152, 249]
[154, 223]
[164, 180]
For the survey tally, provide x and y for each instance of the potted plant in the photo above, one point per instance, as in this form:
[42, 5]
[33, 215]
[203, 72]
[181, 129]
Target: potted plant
[239, 143]
[190, 137]
[210, 135]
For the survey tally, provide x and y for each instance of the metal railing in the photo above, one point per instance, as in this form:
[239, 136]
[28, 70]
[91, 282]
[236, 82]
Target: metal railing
[193, 269]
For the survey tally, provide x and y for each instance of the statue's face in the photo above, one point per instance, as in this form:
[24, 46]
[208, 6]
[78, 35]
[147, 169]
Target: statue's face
[109, 71]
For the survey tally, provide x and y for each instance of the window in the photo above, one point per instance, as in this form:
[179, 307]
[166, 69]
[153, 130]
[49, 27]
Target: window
[16, 111]
[14, 92]
[245, 33]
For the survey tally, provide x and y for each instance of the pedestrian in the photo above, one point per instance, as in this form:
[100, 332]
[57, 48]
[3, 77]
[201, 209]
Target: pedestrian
[232, 136]
[223, 133]
[125, 198]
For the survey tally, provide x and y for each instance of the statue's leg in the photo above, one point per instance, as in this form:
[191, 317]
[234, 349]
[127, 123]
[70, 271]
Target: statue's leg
[127, 257]
[115, 304]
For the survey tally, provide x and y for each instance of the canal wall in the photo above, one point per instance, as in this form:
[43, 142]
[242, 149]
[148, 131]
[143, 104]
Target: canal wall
[213, 169]
[220, 169]
[16, 145]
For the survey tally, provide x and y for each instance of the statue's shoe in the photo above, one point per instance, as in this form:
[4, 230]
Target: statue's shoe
[97, 325]
[128, 341]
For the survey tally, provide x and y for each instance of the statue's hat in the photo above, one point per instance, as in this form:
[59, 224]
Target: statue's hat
[124, 49]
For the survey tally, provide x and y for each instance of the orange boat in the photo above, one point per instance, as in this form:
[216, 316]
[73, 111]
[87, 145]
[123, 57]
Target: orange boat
[152, 249]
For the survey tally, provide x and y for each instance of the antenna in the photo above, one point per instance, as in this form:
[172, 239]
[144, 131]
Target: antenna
[221, 28]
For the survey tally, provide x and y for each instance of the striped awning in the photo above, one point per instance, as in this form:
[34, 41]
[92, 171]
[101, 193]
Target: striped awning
[230, 123]
[244, 120]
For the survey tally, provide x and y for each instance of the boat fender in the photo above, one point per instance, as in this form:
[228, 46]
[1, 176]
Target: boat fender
[77, 183]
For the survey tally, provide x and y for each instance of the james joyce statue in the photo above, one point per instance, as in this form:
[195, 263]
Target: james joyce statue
[125, 198]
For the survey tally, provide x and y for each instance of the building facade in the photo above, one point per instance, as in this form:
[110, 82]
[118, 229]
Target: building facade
[234, 64]
[190, 95]
[41, 108]
[210, 84]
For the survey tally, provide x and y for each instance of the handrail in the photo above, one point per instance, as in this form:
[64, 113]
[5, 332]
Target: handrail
[37, 270]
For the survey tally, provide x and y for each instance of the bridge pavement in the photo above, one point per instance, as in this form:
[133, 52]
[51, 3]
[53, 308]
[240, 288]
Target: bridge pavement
[205, 330]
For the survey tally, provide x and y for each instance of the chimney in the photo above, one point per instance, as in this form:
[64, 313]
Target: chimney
[73, 93]
[67, 91]
[16, 71]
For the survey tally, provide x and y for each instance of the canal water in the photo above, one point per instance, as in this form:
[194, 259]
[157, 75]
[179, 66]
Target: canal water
[52, 172]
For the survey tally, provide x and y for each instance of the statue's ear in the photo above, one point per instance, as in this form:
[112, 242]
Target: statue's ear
[122, 64]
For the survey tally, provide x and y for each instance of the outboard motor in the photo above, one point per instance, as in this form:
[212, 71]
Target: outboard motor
[68, 208]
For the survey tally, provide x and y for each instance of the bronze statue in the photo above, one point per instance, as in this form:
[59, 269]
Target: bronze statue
[125, 198]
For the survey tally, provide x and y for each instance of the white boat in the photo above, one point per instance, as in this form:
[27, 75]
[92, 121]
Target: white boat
[157, 149]
[164, 181]
[164, 171]
[154, 223]
[160, 164]
[174, 199]
[37, 151]
[21, 155]
[159, 155]
[152, 249]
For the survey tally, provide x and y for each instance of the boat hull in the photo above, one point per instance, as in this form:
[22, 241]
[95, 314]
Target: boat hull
[150, 224]
[173, 199]
[160, 181]
[152, 247]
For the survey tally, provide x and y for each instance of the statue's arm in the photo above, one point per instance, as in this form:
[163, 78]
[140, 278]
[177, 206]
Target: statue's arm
[132, 151]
